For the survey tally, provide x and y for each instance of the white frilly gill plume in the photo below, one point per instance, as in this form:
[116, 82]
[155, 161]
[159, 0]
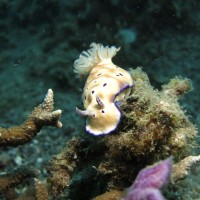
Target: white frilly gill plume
[95, 55]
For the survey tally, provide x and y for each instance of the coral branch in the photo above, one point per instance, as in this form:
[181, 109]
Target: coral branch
[178, 86]
[42, 115]
[182, 168]
[41, 190]
[16, 176]
[112, 195]
[61, 167]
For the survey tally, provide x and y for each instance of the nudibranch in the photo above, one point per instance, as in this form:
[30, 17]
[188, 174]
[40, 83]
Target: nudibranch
[106, 86]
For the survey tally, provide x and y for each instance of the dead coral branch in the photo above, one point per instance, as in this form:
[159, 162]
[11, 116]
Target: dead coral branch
[15, 177]
[42, 115]
[182, 168]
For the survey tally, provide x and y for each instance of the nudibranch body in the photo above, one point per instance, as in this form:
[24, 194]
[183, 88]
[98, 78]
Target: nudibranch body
[106, 86]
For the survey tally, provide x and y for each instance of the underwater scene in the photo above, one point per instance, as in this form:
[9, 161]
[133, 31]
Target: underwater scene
[99, 100]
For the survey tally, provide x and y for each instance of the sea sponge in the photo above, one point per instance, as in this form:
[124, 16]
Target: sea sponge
[106, 86]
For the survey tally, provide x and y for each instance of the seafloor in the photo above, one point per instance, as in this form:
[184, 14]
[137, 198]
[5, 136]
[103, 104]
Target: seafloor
[40, 39]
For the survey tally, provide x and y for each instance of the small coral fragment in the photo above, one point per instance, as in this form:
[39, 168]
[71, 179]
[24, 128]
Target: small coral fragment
[149, 182]
[178, 86]
[41, 190]
[111, 195]
[182, 168]
[42, 115]
[61, 167]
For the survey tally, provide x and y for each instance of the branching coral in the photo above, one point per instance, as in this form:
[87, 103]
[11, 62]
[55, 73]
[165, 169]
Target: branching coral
[42, 115]
[8, 180]
[41, 191]
[153, 127]
[181, 169]
[62, 165]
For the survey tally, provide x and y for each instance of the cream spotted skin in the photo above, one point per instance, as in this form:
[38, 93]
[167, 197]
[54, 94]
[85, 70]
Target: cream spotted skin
[106, 85]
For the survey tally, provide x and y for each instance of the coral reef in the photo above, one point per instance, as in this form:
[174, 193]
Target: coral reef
[153, 127]
[41, 39]
[42, 115]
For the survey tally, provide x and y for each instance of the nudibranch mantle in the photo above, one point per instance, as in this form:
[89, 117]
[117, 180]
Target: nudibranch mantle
[106, 86]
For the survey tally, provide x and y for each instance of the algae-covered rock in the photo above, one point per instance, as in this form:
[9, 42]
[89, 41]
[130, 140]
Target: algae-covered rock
[153, 127]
